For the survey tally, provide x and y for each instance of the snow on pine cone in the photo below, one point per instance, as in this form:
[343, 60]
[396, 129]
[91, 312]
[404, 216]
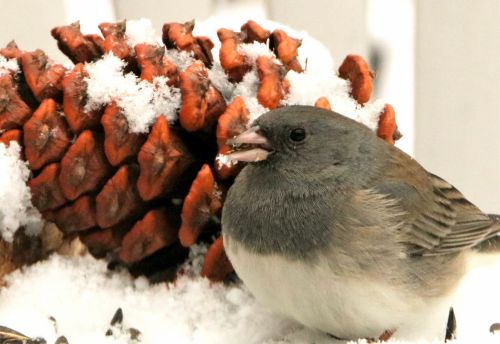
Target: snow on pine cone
[125, 147]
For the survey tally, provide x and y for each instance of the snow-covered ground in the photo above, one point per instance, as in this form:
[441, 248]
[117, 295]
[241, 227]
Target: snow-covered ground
[82, 295]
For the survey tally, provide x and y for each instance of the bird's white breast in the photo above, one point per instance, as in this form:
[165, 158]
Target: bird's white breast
[318, 298]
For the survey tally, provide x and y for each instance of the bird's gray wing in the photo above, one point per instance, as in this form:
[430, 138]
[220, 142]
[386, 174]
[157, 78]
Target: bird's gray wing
[439, 219]
[470, 226]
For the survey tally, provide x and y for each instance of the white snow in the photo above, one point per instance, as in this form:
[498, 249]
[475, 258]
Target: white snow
[478, 302]
[182, 59]
[141, 31]
[254, 50]
[307, 87]
[224, 160]
[219, 79]
[140, 100]
[16, 209]
[319, 79]
[82, 296]
[247, 89]
[143, 102]
[8, 66]
[311, 49]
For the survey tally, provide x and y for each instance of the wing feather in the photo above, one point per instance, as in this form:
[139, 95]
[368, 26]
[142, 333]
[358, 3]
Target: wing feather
[439, 219]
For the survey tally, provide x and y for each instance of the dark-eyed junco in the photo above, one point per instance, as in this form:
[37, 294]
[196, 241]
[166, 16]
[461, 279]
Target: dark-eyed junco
[333, 227]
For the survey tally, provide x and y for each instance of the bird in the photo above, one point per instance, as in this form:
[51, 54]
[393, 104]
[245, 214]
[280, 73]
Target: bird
[343, 232]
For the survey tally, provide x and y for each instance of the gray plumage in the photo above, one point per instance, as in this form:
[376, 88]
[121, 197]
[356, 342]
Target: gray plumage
[345, 196]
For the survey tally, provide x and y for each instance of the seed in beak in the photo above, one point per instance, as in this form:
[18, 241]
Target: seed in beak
[249, 137]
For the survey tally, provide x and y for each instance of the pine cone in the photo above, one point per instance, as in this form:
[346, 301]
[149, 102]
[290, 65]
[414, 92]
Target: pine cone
[140, 197]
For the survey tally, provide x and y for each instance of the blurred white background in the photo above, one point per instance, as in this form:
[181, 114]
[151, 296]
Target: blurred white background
[436, 62]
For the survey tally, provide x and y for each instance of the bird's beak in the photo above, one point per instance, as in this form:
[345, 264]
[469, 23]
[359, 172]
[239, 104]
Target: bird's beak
[249, 146]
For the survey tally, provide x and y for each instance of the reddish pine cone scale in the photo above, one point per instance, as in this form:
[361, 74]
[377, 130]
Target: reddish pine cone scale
[84, 166]
[153, 63]
[387, 127]
[273, 83]
[119, 199]
[216, 265]
[119, 144]
[147, 236]
[75, 45]
[180, 36]
[11, 135]
[202, 103]
[163, 159]
[234, 63]
[78, 216]
[323, 103]
[74, 101]
[254, 32]
[115, 42]
[43, 77]
[46, 194]
[355, 69]
[11, 51]
[13, 110]
[101, 242]
[114, 39]
[201, 204]
[46, 135]
[233, 122]
[286, 48]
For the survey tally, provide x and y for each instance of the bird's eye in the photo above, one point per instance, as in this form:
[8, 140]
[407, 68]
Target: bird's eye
[297, 134]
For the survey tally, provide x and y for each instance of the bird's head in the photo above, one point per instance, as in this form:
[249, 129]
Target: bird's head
[305, 140]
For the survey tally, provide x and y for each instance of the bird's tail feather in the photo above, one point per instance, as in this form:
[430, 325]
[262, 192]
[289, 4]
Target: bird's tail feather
[492, 243]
